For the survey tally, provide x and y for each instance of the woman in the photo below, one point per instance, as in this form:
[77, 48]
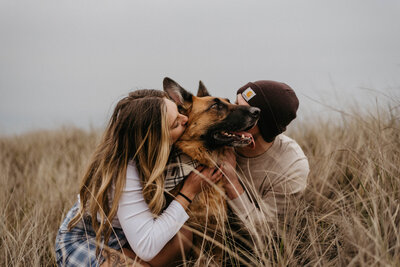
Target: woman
[121, 199]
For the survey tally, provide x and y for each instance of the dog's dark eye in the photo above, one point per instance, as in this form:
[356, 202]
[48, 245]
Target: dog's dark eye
[217, 106]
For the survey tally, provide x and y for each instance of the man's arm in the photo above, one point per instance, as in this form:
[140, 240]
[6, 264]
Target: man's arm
[270, 203]
[237, 197]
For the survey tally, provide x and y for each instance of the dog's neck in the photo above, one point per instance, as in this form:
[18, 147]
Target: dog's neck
[197, 151]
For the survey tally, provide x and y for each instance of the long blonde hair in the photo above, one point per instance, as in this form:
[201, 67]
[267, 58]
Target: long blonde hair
[138, 131]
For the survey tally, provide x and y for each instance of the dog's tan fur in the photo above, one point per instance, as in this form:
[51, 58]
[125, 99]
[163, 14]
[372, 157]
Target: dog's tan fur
[198, 122]
[208, 212]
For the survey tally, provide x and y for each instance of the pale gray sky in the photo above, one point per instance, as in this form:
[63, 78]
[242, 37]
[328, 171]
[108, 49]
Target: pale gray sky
[68, 62]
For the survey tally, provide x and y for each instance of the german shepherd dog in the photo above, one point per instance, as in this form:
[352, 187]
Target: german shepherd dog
[213, 124]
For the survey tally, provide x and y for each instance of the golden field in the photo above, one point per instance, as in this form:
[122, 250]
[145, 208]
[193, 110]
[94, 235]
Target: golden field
[349, 216]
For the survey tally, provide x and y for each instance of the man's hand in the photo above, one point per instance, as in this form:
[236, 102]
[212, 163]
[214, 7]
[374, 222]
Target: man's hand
[232, 185]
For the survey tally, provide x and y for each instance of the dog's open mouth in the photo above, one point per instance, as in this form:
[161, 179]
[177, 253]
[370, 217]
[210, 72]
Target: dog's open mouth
[237, 139]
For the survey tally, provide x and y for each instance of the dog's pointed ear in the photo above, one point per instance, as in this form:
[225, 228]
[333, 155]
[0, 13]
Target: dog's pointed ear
[202, 90]
[179, 95]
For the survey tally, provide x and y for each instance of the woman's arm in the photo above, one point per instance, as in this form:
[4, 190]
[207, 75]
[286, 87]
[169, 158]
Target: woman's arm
[146, 234]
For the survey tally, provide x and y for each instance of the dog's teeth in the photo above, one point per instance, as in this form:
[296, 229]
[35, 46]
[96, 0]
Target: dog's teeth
[242, 135]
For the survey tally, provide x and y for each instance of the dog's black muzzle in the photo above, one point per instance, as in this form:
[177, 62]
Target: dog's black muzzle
[241, 118]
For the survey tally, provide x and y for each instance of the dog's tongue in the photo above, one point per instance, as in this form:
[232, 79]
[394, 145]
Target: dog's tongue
[246, 134]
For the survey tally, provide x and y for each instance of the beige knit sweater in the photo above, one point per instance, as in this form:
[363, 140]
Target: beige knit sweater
[270, 180]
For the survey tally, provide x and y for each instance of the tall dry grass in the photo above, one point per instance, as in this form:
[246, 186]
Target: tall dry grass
[39, 180]
[350, 213]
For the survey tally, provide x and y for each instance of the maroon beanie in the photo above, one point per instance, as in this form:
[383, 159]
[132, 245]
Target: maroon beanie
[278, 104]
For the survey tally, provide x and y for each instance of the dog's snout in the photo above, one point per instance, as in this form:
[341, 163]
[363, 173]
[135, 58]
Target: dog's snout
[255, 112]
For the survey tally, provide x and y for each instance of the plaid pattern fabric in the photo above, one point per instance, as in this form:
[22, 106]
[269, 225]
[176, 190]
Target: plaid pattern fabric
[77, 247]
[178, 167]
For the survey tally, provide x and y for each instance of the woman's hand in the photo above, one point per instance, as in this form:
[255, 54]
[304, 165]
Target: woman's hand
[201, 178]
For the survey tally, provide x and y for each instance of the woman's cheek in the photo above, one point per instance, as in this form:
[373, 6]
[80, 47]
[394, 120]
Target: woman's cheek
[183, 129]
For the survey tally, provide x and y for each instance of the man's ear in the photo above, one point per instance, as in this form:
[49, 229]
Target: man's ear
[202, 90]
[179, 95]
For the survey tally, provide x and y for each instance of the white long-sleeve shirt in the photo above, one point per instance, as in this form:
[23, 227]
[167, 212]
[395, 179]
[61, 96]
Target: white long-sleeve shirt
[146, 235]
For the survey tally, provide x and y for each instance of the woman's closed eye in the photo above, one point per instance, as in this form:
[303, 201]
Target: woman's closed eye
[176, 124]
[178, 121]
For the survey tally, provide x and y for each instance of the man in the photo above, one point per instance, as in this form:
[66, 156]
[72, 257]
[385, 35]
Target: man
[262, 177]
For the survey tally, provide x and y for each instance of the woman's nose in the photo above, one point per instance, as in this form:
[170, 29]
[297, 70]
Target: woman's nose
[184, 119]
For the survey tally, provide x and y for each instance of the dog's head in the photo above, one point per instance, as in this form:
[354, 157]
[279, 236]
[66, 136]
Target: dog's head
[212, 120]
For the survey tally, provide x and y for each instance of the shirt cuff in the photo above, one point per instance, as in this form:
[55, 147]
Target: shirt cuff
[242, 206]
[182, 215]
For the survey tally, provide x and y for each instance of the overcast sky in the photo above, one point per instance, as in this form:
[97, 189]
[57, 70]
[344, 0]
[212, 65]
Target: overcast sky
[68, 62]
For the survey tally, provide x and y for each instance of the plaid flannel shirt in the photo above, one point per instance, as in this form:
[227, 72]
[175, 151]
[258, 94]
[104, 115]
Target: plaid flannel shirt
[178, 167]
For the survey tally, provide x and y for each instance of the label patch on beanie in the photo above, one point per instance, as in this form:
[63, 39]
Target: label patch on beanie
[248, 94]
